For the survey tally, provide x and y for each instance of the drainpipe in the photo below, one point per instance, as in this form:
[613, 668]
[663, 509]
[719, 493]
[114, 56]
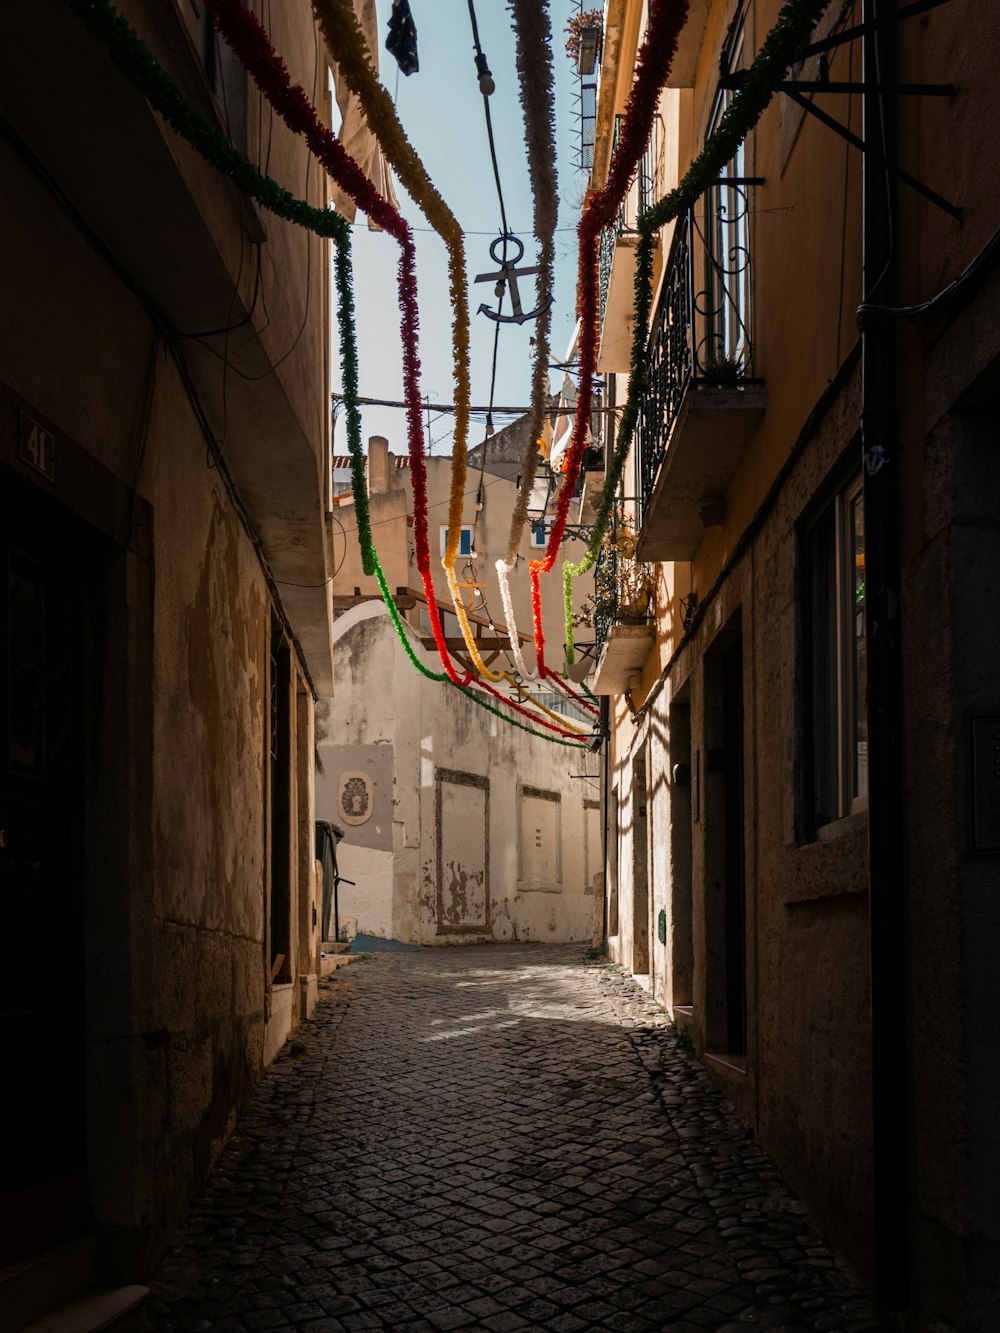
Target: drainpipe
[886, 885]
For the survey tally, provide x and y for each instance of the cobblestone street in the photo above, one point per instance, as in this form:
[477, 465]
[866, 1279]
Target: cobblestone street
[502, 1138]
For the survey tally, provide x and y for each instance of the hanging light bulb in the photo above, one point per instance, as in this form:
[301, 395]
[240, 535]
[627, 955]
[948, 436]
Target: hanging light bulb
[486, 85]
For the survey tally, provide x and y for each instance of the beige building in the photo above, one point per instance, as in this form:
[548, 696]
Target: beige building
[802, 838]
[458, 827]
[166, 626]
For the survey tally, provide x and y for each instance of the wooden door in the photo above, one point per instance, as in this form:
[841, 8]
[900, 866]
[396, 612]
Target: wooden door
[42, 791]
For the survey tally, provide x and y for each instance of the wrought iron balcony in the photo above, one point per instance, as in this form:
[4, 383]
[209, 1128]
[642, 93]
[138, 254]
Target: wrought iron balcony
[623, 620]
[616, 260]
[703, 399]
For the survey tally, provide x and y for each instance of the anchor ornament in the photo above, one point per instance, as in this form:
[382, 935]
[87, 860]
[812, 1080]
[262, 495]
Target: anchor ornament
[507, 277]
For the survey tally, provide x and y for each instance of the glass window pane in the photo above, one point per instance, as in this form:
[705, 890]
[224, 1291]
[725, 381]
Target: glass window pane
[824, 673]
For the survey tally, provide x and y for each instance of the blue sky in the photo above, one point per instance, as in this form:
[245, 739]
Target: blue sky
[441, 109]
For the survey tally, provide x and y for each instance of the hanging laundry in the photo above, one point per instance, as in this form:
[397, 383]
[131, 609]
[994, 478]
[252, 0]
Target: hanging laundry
[402, 39]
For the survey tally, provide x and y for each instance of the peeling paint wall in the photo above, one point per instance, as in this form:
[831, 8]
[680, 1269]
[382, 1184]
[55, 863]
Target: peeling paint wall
[461, 783]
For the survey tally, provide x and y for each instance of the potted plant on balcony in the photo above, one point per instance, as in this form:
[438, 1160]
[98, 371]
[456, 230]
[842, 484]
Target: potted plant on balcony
[583, 39]
[632, 578]
[624, 587]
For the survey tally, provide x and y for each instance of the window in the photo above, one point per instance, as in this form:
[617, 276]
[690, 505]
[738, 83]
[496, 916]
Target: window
[724, 228]
[226, 78]
[835, 656]
[464, 540]
[539, 532]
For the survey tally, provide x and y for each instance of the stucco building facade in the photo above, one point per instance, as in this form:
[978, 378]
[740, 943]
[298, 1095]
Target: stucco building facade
[459, 828]
[799, 844]
[166, 630]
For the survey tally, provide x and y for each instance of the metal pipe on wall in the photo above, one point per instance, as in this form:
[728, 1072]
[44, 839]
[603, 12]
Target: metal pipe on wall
[887, 892]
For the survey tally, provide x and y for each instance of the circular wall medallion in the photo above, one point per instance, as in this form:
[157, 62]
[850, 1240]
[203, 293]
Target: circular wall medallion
[355, 798]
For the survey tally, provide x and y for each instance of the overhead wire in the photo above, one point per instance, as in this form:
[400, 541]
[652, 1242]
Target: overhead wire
[251, 41]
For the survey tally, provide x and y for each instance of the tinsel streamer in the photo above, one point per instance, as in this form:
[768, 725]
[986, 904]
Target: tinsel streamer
[503, 578]
[370, 561]
[526, 694]
[346, 43]
[250, 41]
[580, 702]
[656, 55]
[534, 68]
[133, 58]
[789, 35]
[137, 64]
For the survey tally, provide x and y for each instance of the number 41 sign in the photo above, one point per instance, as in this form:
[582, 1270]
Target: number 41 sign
[36, 446]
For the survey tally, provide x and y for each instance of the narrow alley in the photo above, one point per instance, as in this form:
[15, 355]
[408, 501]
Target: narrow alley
[503, 1138]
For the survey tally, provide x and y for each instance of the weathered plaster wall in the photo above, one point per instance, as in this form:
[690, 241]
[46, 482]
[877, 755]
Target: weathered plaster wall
[436, 730]
[177, 841]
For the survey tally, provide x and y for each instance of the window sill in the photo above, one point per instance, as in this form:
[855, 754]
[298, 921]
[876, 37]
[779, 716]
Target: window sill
[834, 865]
[726, 1065]
[839, 827]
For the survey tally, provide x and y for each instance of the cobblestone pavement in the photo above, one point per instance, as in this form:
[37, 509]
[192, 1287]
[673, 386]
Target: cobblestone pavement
[502, 1138]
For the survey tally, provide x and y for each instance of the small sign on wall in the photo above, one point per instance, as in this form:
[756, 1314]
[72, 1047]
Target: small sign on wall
[355, 798]
[36, 446]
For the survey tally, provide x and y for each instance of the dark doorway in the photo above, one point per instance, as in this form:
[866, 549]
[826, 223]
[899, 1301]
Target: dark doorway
[681, 944]
[44, 629]
[640, 868]
[736, 972]
[280, 754]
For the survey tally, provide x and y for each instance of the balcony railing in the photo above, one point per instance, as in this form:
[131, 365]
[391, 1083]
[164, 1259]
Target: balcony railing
[641, 194]
[605, 576]
[623, 584]
[702, 335]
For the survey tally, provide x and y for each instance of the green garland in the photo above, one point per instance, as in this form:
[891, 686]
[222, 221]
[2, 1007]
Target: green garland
[137, 63]
[786, 39]
[139, 66]
[369, 556]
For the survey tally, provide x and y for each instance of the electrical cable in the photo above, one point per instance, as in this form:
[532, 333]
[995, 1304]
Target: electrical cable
[252, 44]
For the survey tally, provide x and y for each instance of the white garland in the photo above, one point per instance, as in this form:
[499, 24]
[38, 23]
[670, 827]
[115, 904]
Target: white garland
[504, 571]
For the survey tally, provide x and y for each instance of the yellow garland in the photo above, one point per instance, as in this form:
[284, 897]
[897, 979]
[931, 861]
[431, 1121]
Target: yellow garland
[346, 42]
[499, 677]
[563, 721]
[463, 620]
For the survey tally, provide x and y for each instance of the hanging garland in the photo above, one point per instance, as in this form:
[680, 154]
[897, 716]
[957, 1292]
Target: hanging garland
[137, 64]
[345, 40]
[656, 55]
[534, 69]
[249, 39]
[349, 364]
[133, 58]
[786, 39]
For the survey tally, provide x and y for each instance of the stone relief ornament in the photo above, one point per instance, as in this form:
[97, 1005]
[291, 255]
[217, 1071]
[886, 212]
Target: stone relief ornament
[356, 798]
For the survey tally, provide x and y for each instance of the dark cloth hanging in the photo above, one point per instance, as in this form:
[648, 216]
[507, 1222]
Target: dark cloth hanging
[402, 39]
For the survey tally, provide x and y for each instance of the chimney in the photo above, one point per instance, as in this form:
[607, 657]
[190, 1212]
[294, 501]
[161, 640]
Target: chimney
[379, 479]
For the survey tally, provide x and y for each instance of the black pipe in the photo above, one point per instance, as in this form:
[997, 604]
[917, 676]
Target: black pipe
[886, 885]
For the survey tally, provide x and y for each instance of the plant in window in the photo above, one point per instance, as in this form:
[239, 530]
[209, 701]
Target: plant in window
[633, 578]
[623, 586]
[721, 369]
[583, 37]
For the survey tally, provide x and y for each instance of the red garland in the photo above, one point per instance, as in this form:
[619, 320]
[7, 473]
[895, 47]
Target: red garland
[249, 39]
[584, 703]
[656, 55]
